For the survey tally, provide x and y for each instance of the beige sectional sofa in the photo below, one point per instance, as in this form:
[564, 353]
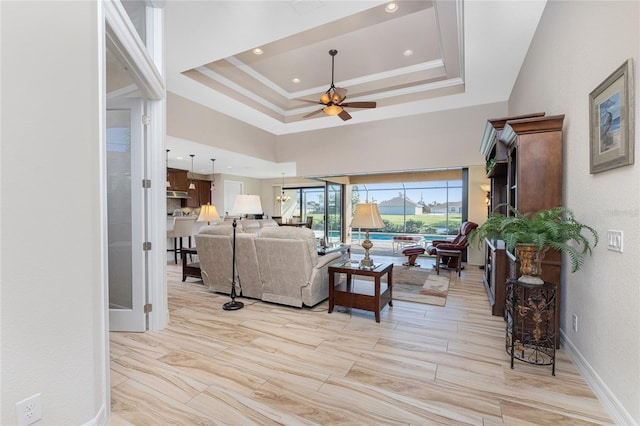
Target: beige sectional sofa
[273, 264]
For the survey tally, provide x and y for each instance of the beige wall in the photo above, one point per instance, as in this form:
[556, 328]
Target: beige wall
[53, 307]
[194, 122]
[477, 209]
[577, 45]
[425, 141]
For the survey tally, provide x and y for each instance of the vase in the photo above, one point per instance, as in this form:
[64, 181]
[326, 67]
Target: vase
[530, 258]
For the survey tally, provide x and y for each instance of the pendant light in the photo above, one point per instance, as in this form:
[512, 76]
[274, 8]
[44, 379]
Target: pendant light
[282, 198]
[168, 184]
[191, 184]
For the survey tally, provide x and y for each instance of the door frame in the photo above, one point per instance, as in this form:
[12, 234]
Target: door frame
[145, 64]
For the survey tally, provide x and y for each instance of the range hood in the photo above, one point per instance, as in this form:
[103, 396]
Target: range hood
[177, 194]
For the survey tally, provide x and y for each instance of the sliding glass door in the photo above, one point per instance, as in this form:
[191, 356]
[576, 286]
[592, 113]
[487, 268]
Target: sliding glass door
[334, 206]
[323, 203]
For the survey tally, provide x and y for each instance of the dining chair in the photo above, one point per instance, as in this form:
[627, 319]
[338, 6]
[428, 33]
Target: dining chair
[182, 227]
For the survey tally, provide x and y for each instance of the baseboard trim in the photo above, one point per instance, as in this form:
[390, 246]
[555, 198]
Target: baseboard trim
[100, 419]
[617, 412]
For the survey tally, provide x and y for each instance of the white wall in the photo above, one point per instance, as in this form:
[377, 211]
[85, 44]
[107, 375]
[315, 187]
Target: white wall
[52, 319]
[577, 45]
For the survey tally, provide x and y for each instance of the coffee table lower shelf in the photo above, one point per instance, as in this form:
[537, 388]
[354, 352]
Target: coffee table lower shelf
[366, 295]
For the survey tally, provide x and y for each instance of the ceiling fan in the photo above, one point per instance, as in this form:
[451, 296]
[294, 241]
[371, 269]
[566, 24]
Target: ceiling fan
[333, 98]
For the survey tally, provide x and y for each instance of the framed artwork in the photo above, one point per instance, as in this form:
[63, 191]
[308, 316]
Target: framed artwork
[611, 120]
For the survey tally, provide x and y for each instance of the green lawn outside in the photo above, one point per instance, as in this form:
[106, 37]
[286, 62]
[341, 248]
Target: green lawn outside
[435, 220]
[415, 224]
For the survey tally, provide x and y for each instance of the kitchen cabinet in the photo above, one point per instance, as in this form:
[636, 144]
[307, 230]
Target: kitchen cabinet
[200, 195]
[204, 191]
[178, 179]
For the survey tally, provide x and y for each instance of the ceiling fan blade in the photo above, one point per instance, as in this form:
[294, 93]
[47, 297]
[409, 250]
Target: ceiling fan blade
[359, 105]
[344, 115]
[312, 113]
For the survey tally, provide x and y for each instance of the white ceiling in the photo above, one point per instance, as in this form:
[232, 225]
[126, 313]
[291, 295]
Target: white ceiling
[464, 54]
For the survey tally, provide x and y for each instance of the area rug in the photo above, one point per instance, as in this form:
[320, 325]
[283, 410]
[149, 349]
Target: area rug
[418, 285]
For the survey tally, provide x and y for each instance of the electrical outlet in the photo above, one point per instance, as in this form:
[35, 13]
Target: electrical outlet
[574, 322]
[29, 410]
[614, 240]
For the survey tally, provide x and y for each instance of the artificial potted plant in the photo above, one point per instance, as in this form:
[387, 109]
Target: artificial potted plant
[532, 234]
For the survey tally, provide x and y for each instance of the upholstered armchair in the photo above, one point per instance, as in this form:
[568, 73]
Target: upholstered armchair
[460, 242]
[291, 270]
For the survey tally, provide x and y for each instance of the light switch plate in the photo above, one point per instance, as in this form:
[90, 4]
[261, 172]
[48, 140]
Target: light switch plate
[614, 240]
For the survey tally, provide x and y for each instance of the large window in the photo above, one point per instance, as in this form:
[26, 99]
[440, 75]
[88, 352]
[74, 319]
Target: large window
[431, 208]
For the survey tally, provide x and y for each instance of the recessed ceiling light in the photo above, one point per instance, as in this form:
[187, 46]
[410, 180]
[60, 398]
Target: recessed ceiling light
[391, 7]
[178, 158]
[408, 52]
[258, 51]
[296, 80]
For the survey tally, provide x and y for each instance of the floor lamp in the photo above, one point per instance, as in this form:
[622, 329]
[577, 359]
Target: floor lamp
[368, 217]
[244, 204]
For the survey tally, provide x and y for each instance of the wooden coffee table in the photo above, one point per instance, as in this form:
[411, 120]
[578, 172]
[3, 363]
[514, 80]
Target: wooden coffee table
[367, 297]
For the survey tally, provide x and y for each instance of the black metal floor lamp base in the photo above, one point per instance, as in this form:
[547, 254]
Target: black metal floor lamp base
[233, 306]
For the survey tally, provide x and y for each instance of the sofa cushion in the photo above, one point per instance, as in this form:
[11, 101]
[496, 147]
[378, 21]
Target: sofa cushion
[293, 232]
[250, 225]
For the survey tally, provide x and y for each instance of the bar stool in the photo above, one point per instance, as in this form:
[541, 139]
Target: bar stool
[182, 227]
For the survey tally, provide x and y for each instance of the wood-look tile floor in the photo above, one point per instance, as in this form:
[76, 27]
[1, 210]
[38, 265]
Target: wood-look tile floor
[268, 364]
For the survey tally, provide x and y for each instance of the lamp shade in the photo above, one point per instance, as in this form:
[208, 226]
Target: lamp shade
[367, 216]
[332, 110]
[485, 187]
[208, 213]
[247, 204]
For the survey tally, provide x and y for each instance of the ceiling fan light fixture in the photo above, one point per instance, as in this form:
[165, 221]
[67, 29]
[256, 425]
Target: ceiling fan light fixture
[332, 110]
[334, 98]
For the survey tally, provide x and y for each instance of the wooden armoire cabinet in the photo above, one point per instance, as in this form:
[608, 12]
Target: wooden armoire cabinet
[526, 173]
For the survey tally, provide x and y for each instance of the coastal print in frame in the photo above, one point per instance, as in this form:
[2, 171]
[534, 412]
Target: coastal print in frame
[611, 120]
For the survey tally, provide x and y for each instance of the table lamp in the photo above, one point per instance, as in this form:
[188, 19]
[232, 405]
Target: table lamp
[368, 217]
[208, 213]
[244, 204]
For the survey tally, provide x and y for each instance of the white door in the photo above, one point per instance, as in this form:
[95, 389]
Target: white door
[126, 215]
[231, 189]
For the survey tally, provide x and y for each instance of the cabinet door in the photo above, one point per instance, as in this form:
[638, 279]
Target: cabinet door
[204, 191]
[178, 179]
[194, 195]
